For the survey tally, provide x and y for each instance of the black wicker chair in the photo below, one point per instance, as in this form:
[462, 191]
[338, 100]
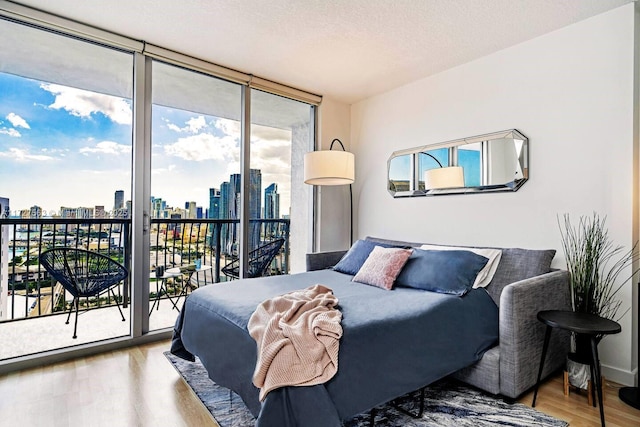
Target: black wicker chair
[83, 274]
[259, 260]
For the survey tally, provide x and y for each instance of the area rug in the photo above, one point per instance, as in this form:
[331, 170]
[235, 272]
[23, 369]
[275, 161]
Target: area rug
[447, 403]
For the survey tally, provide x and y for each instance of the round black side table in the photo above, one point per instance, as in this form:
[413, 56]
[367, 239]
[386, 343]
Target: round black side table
[581, 323]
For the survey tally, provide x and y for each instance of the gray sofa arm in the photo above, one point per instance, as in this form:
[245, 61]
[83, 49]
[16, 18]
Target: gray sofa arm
[323, 260]
[522, 334]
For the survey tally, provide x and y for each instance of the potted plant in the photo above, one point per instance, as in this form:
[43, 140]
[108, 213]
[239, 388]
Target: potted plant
[594, 264]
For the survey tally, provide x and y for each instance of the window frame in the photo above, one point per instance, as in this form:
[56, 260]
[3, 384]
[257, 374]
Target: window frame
[144, 54]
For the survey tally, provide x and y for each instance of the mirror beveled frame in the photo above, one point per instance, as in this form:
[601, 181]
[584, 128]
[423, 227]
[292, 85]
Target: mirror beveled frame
[513, 136]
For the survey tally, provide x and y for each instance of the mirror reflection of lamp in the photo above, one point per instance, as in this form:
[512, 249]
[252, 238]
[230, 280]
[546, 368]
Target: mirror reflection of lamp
[443, 177]
[327, 167]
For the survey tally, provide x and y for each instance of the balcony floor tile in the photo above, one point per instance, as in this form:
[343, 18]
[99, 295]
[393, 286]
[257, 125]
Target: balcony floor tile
[39, 334]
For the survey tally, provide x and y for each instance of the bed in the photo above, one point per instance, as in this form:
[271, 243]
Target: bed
[393, 342]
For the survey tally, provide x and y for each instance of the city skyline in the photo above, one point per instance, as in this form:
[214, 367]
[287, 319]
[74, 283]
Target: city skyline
[62, 146]
[120, 202]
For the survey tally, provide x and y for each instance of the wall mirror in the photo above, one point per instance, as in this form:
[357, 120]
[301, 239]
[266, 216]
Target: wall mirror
[492, 162]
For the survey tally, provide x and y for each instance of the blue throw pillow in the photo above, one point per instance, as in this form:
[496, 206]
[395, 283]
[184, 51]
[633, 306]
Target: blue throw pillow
[352, 261]
[446, 272]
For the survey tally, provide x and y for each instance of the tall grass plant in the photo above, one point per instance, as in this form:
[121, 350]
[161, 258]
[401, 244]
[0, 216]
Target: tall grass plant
[597, 268]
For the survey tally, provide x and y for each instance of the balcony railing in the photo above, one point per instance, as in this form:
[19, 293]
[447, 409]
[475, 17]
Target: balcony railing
[26, 290]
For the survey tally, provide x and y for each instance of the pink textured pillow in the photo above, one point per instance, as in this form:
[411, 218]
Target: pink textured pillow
[382, 267]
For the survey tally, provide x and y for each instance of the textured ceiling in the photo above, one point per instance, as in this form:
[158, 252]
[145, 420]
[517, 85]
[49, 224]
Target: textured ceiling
[344, 49]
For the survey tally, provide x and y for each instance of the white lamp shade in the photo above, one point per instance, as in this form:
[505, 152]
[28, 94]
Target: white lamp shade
[329, 167]
[449, 177]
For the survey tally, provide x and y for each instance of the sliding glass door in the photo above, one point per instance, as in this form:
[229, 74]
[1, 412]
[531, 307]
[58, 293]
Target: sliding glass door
[195, 180]
[65, 169]
[282, 130]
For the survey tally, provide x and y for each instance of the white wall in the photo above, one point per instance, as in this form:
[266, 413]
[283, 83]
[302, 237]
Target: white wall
[571, 93]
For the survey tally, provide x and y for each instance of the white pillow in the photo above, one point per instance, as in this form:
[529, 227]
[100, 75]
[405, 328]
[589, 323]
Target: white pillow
[486, 274]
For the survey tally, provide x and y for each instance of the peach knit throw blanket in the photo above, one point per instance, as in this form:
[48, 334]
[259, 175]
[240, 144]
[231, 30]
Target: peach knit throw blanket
[297, 335]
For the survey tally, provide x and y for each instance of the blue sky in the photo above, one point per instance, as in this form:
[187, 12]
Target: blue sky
[61, 146]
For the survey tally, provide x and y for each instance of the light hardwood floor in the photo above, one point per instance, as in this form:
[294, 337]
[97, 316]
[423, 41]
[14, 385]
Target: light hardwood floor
[139, 387]
[576, 411]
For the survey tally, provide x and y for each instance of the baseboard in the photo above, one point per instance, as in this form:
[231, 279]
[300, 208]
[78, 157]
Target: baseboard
[620, 376]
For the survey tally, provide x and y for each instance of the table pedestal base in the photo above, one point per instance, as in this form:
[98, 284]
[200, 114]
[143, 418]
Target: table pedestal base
[630, 396]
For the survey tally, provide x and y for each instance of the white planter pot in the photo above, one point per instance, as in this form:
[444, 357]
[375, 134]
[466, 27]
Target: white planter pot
[579, 373]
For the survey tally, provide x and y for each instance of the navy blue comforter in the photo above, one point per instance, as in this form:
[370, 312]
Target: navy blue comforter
[393, 342]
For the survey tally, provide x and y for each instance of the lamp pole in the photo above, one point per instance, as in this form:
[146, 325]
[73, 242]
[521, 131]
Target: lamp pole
[433, 157]
[350, 195]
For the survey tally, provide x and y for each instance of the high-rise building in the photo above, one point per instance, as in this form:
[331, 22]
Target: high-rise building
[158, 208]
[255, 207]
[271, 202]
[118, 202]
[214, 213]
[214, 203]
[224, 210]
[223, 213]
[234, 192]
[255, 194]
[230, 207]
[190, 207]
[119, 208]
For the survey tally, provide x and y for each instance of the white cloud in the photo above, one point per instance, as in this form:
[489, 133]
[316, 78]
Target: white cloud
[227, 126]
[17, 121]
[266, 133]
[82, 103]
[174, 127]
[271, 150]
[193, 125]
[107, 147]
[21, 155]
[10, 131]
[163, 171]
[204, 146]
[53, 150]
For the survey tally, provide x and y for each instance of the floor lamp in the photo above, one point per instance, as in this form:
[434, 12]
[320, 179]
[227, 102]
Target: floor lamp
[631, 395]
[443, 177]
[328, 167]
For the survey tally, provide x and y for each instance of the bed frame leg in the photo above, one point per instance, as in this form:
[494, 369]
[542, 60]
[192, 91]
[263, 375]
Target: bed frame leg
[411, 414]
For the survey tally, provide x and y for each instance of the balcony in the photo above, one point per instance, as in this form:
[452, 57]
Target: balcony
[32, 305]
